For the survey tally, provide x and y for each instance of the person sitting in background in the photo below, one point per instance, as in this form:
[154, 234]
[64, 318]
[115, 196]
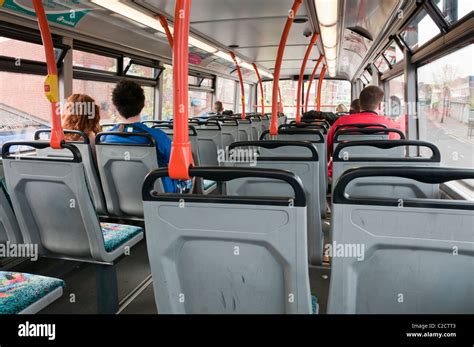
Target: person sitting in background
[341, 109]
[355, 106]
[371, 99]
[218, 108]
[81, 113]
[129, 100]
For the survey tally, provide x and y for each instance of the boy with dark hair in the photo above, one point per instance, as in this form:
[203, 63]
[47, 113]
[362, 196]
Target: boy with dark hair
[129, 99]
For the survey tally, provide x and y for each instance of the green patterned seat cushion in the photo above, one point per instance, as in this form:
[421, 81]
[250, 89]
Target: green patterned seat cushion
[20, 290]
[116, 235]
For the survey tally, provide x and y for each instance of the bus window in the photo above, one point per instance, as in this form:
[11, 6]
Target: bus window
[420, 30]
[167, 93]
[395, 108]
[454, 10]
[445, 96]
[226, 93]
[333, 93]
[93, 61]
[393, 54]
[247, 89]
[23, 107]
[200, 103]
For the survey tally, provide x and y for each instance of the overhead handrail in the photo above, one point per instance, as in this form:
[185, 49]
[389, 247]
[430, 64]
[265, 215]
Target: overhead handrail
[51, 84]
[320, 59]
[314, 38]
[276, 73]
[241, 81]
[181, 156]
[320, 86]
[164, 24]
[260, 83]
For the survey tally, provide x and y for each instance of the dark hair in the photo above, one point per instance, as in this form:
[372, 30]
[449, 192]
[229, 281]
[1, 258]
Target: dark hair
[219, 106]
[128, 98]
[355, 106]
[370, 98]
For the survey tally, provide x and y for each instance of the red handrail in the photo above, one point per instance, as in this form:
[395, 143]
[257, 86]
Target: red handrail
[241, 80]
[320, 86]
[164, 24]
[51, 84]
[181, 156]
[314, 38]
[261, 88]
[321, 57]
[276, 73]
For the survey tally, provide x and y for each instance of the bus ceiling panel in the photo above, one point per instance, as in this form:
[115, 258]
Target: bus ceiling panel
[268, 53]
[364, 21]
[206, 10]
[368, 17]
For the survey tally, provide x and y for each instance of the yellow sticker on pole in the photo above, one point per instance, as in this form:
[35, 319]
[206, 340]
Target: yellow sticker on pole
[51, 88]
[2, 2]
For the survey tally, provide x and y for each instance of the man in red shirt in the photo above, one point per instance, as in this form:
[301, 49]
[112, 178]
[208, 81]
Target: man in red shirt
[370, 103]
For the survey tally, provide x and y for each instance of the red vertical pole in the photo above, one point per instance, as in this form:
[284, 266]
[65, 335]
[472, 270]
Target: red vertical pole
[311, 82]
[241, 80]
[276, 73]
[181, 157]
[164, 24]
[320, 87]
[51, 84]
[262, 99]
[314, 38]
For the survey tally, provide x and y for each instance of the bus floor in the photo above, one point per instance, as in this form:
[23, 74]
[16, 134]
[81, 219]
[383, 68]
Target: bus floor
[80, 296]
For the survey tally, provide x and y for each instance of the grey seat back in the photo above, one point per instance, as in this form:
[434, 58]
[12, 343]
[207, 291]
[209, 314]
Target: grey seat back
[245, 129]
[199, 185]
[122, 168]
[230, 131]
[304, 165]
[386, 186]
[365, 134]
[209, 142]
[314, 136]
[256, 128]
[265, 123]
[412, 259]
[227, 254]
[53, 204]
[88, 161]
[9, 228]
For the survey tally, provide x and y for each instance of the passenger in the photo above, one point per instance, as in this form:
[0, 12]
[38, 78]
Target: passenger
[81, 113]
[371, 99]
[355, 106]
[129, 99]
[341, 109]
[218, 108]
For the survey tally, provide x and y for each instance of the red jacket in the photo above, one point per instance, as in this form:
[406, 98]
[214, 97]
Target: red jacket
[357, 118]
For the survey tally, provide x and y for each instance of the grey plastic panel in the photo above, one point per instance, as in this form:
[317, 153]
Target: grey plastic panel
[55, 210]
[209, 142]
[398, 187]
[9, 228]
[122, 172]
[408, 264]
[308, 172]
[372, 152]
[296, 151]
[256, 130]
[265, 124]
[228, 258]
[245, 132]
[230, 134]
[92, 174]
[345, 138]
